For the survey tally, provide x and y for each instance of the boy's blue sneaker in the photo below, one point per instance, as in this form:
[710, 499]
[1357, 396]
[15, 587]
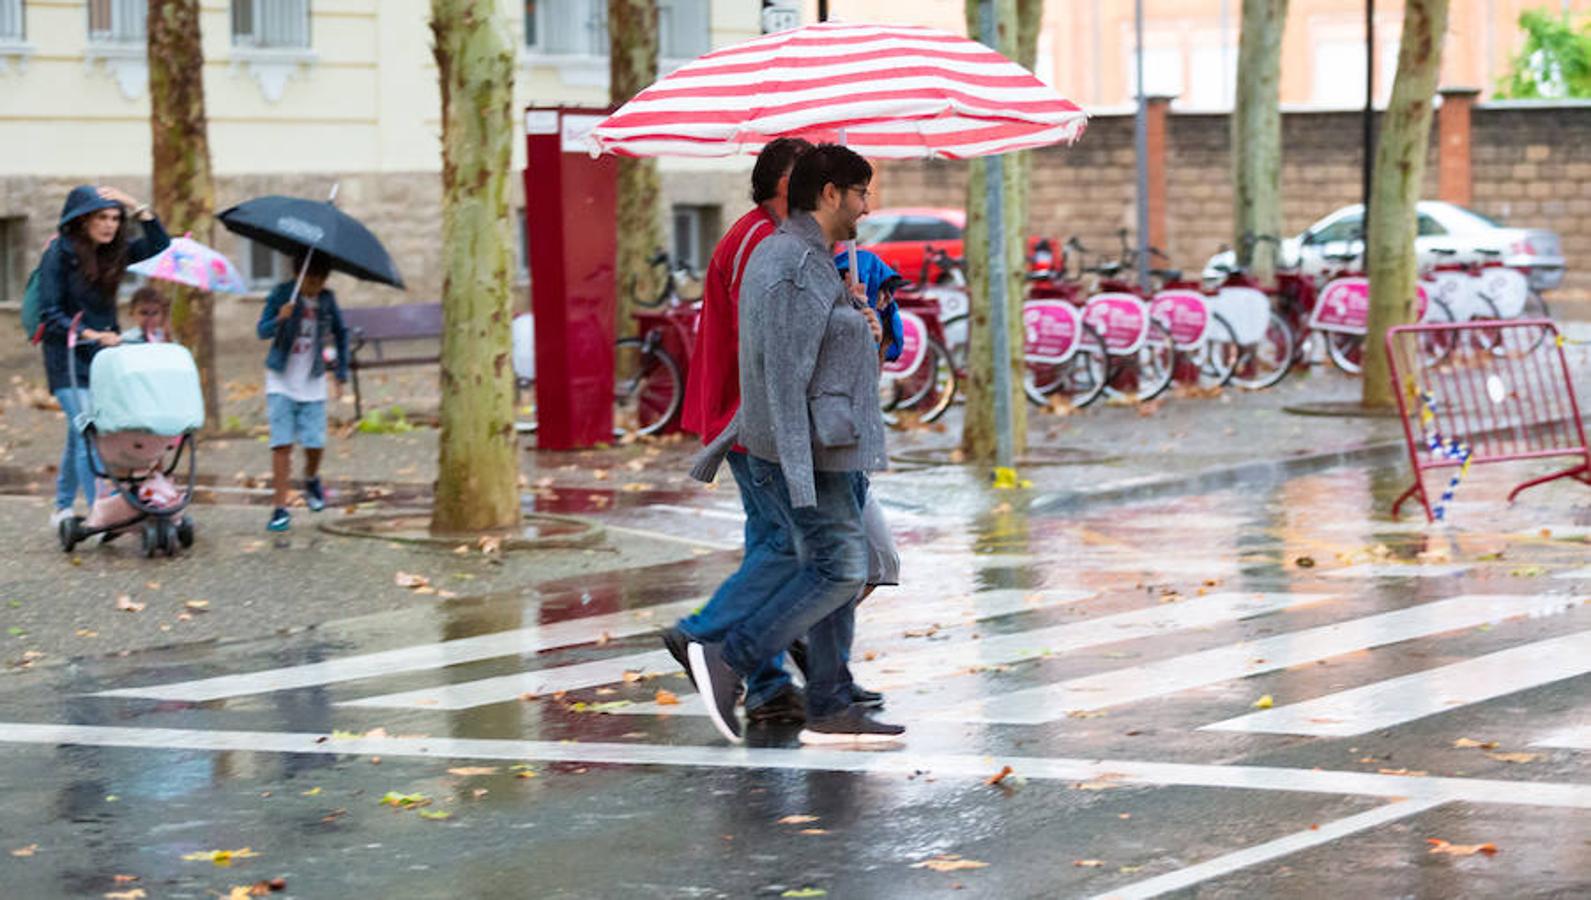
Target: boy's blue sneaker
[280, 520]
[314, 495]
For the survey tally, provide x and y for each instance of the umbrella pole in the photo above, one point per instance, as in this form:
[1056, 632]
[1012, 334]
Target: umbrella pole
[994, 211]
[850, 245]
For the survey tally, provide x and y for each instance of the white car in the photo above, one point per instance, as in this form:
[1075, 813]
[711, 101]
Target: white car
[1442, 227]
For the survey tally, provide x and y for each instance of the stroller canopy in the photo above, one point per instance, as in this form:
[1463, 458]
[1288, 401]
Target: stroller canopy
[145, 387]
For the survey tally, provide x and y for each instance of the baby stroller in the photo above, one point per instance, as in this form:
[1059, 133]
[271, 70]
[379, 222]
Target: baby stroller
[144, 407]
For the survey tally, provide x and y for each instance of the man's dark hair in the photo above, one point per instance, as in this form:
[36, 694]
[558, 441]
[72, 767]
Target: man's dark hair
[826, 164]
[776, 158]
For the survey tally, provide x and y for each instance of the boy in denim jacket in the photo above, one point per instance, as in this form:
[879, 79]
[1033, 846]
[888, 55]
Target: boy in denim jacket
[295, 380]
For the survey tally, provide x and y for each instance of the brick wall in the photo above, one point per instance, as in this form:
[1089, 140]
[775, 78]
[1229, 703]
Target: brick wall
[1530, 167]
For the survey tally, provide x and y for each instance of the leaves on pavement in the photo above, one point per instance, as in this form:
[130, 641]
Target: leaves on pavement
[666, 698]
[473, 770]
[1003, 774]
[797, 820]
[1466, 743]
[1443, 847]
[222, 858]
[949, 862]
[1515, 757]
[403, 801]
[126, 603]
[805, 892]
[1265, 702]
[25, 852]
[410, 580]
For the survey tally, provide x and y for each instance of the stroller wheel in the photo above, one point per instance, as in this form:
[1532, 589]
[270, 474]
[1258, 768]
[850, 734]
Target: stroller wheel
[168, 537]
[151, 533]
[67, 532]
[185, 531]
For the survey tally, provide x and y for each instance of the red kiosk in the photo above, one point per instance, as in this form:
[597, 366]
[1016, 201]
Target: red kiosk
[570, 202]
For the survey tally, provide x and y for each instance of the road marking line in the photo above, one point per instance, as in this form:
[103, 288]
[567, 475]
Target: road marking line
[935, 663]
[1284, 846]
[1420, 694]
[520, 641]
[1396, 570]
[484, 691]
[701, 512]
[665, 536]
[1577, 737]
[1577, 574]
[902, 763]
[1050, 702]
[1558, 532]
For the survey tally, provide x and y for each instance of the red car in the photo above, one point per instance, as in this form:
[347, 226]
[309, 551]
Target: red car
[902, 236]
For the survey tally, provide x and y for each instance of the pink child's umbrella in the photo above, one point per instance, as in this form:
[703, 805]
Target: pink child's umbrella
[191, 263]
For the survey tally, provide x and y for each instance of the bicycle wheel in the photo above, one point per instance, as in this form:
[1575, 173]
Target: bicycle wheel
[1080, 379]
[1265, 363]
[956, 337]
[1147, 373]
[941, 389]
[648, 392]
[1346, 351]
[1436, 346]
[1218, 356]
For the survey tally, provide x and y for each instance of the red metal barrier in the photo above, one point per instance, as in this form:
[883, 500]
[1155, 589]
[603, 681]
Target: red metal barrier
[1480, 392]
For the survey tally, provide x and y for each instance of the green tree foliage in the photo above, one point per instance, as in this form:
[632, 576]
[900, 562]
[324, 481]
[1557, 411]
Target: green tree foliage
[1554, 63]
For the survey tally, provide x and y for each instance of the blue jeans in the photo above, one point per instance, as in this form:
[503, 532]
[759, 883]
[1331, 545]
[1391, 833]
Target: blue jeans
[74, 473]
[769, 562]
[817, 601]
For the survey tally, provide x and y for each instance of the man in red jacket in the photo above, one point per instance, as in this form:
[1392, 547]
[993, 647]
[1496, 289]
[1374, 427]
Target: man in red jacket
[712, 394]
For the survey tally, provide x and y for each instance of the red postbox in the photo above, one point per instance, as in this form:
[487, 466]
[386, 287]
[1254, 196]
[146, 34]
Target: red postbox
[570, 203]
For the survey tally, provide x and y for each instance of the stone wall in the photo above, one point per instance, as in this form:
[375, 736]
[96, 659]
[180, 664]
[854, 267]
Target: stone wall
[1531, 167]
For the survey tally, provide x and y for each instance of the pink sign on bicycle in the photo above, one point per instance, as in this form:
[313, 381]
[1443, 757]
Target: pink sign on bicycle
[1051, 327]
[1122, 320]
[1344, 305]
[1185, 314]
[914, 347]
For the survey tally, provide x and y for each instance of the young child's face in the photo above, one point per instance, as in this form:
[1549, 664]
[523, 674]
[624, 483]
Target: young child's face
[312, 284]
[149, 316]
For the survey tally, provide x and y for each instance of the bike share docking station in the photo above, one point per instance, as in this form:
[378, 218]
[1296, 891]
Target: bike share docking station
[571, 200]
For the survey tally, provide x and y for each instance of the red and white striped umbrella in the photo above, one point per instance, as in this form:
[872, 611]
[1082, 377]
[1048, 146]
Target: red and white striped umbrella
[897, 91]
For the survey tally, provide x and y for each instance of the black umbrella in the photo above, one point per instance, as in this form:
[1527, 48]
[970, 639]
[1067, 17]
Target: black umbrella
[294, 225]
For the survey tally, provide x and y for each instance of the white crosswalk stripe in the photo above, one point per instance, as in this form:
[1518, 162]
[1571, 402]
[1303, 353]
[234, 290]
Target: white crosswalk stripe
[1421, 694]
[470, 694]
[1102, 690]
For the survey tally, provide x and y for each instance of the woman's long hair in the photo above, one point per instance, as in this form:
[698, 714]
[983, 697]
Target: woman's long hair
[103, 265]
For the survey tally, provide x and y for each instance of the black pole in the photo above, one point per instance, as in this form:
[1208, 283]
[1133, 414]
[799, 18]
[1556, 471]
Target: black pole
[823, 10]
[1370, 94]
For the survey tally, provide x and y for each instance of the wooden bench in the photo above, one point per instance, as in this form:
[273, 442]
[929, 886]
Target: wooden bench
[374, 326]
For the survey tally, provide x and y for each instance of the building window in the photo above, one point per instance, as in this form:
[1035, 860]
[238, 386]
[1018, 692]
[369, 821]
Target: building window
[13, 24]
[270, 23]
[262, 268]
[116, 21]
[13, 266]
[580, 27]
[695, 232]
[522, 229]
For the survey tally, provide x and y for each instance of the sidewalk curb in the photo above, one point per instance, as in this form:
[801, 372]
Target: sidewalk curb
[1259, 472]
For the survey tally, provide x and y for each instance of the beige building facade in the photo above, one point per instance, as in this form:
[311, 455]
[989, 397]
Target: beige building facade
[1086, 47]
[302, 94]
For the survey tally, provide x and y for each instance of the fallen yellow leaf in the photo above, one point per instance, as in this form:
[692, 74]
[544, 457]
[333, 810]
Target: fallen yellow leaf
[1466, 743]
[666, 698]
[1440, 846]
[221, 858]
[949, 862]
[473, 770]
[1515, 757]
[1088, 863]
[27, 851]
[1265, 702]
[797, 820]
[996, 778]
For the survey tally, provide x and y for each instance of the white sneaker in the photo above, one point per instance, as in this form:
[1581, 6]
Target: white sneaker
[59, 516]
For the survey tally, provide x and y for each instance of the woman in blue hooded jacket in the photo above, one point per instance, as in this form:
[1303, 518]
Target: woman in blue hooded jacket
[79, 274]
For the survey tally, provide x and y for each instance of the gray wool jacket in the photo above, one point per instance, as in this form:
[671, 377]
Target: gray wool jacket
[808, 367]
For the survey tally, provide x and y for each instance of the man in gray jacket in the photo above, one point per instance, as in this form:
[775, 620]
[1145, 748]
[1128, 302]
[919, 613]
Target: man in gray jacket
[810, 420]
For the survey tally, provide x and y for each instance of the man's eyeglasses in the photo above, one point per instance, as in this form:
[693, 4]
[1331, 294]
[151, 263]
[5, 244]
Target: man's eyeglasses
[863, 192]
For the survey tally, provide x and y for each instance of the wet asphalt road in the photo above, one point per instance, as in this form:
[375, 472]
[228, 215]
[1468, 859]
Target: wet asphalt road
[1375, 686]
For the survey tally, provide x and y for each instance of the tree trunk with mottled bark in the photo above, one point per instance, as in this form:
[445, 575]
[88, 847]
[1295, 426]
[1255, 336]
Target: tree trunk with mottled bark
[184, 191]
[1395, 188]
[477, 468]
[632, 66]
[1018, 27]
[1257, 137]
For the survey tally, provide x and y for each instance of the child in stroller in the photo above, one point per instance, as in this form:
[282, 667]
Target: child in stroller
[144, 407]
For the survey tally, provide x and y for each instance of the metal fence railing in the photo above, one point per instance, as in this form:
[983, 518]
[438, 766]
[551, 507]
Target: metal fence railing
[1481, 392]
